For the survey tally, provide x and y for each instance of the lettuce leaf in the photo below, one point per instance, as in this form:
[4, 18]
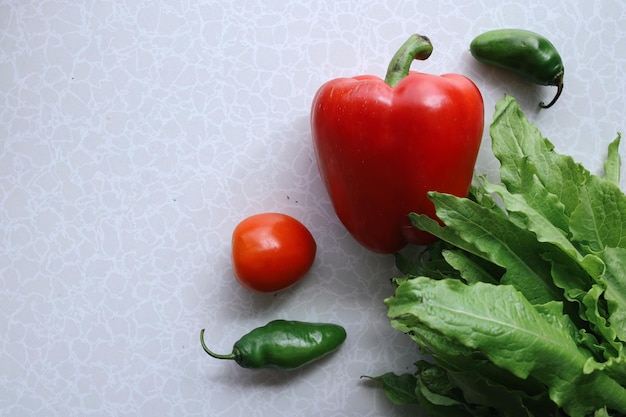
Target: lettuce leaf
[599, 220]
[613, 163]
[499, 240]
[514, 140]
[522, 302]
[499, 322]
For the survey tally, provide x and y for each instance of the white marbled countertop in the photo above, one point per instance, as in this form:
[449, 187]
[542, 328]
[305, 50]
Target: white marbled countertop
[134, 135]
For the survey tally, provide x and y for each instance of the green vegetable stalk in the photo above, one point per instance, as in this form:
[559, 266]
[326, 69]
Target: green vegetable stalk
[522, 304]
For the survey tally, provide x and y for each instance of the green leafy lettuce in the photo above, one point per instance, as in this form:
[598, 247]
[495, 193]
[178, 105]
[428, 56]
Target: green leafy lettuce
[522, 303]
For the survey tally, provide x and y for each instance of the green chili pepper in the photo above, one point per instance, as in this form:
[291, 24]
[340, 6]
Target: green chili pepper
[283, 344]
[526, 53]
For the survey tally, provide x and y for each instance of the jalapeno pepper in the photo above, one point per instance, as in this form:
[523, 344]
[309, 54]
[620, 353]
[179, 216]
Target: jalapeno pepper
[283, 344]
[523, 52]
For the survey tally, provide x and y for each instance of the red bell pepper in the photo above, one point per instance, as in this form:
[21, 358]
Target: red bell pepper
[382, 145]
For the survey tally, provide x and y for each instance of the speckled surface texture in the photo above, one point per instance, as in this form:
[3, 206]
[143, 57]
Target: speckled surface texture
[135, 135]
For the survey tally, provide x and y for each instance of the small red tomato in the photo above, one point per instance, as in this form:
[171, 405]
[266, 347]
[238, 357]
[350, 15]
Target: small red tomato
[271, 251]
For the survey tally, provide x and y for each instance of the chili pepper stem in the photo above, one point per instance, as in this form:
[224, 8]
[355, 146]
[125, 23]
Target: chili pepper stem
[230, 356]
[558, 81]
[416, 47]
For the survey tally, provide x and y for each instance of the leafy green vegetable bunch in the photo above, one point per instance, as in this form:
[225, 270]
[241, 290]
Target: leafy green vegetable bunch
[522, 304]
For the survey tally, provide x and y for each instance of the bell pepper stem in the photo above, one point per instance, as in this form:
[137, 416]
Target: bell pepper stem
[215, 355]
[416, 47]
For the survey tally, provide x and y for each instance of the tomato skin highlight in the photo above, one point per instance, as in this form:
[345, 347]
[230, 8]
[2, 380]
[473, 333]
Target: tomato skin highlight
[271, 252]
